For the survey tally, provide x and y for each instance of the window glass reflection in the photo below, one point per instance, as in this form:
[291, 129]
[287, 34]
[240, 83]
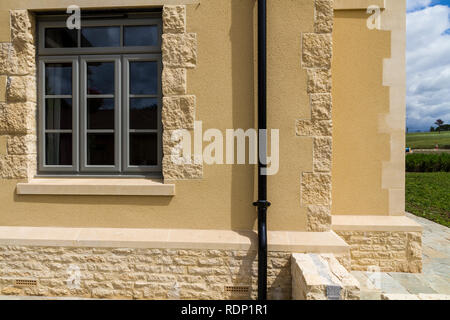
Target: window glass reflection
[100, 113]
[58, 149]
[143, 113]
[143, 77]
[100, 149]
[100, 37]
[100, 77]
[140, 36]
[58, 113]
[58, 78]
[143, 149]
[61, 38]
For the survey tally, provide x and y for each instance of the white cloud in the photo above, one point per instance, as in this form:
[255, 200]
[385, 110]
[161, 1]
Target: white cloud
[417, 4]
[428, 66]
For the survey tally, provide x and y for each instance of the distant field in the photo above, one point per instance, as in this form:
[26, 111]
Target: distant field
[428, 140]
[428, 196]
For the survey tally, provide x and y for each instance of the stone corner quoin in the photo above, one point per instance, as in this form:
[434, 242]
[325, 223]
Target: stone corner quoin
[316, 56]
[18, 108]
[179, 53]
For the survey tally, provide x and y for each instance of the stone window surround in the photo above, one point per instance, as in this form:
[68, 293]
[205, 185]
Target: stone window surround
[179, 53]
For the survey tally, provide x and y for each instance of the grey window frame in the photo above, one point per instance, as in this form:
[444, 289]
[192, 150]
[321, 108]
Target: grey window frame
[84, 167]
[98, 50]
[75, 114]
[126, 112]
[79, 57]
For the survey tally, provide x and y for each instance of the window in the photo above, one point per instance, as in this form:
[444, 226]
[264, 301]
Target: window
[100, 97]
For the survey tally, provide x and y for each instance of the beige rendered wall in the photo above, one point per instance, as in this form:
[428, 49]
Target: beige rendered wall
[368, 112]
[223, 83]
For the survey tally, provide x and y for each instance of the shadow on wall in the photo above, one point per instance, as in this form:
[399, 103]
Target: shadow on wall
[243, 107]
[94, 200]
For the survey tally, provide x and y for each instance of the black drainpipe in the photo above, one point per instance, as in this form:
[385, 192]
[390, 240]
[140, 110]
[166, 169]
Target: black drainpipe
[262, 204]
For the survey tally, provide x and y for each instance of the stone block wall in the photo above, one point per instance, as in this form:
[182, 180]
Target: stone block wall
[317, 52]
[135, 273]
[18, 99]
[389, 251]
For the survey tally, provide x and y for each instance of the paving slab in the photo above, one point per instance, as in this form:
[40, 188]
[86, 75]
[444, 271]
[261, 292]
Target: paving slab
[412, 283]
[432, 284]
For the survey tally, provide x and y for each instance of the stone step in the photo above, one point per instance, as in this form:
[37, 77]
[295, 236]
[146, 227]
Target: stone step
[321, 277]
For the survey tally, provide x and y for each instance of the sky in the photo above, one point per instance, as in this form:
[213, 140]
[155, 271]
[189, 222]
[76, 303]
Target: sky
[428, 63]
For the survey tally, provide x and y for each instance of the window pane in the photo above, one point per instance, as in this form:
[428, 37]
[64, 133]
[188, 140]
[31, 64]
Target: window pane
[100, 37]
[143, 113]
[143, 149]
[100, 149]
[144, 77]
[58, 149]
[58, 78]
[100, 113]
[60, 38]
[58, 113]
[100, 77]
[140, 36]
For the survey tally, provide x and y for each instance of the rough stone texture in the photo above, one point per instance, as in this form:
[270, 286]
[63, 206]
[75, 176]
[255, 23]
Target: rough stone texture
[321, 277]
[322, 154]
[174, 19]
[314, 127]
[22, 145]
[316, 189]
[18, 110]
[16, 166]
[172, 142]
[174, 81]
[179, 50]
[414, 251]
[319, 80]
[321, 105]
[323, 20]
[21, 88]
[18, 57]
[318, 218]
[317, 53]
[16, 62]
[139, 273]
[18, 118]
[22, 28]
[178, 112]
[184, 167]
[3, 145]
[174, 171]
[317, 50]
[390, 251]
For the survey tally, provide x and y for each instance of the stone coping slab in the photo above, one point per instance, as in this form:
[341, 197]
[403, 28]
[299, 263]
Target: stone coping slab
[374, 223]
[86, 186]
[289, 241]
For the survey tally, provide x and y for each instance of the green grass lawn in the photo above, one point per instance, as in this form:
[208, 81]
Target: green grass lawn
[428, 196]
[428, 140]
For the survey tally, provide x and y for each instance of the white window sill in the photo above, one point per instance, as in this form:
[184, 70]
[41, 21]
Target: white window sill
[99, 187]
